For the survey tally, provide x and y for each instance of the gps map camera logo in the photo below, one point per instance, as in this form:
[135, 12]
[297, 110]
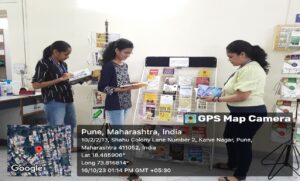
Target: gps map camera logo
[190, 118]
[39, 150]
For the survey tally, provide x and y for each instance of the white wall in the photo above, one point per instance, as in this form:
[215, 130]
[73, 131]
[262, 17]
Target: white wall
[191, 27]
[14, 50]
[14, 45]
[157, 28]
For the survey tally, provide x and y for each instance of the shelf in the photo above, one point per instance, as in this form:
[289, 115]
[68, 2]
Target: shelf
[285, 36]
[171, 93]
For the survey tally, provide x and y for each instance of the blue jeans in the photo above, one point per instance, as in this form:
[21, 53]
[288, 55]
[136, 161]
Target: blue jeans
[59, 113]
[116, 117]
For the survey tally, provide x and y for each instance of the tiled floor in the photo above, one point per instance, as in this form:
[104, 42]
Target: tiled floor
[5, 177]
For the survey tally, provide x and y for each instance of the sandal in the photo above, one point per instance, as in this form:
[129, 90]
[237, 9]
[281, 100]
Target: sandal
[222, 166]
[134, 177]
[227, 179]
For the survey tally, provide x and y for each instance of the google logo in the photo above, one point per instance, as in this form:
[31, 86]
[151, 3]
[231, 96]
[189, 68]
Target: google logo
[26, 169]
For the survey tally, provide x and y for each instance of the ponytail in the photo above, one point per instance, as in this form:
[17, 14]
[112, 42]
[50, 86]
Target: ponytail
[260, 56]
[47, 52]
[110, 51]
[255, 53]
[60, 46]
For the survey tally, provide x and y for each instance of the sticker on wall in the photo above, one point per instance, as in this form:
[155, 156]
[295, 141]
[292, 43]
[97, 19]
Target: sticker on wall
[98, 114]
[297, 18]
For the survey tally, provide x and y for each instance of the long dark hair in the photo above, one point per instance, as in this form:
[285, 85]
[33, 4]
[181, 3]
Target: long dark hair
[60, 46]
[110, 53]
[255, 53]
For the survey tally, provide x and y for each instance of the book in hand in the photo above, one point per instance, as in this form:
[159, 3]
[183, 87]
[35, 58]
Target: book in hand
[80, 76]
[137, 84]
[204, 90]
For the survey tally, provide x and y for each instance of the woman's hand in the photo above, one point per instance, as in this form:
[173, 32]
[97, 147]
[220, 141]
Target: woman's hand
[207, 98]
[237, 97]
[135, 86]
[123, 89]
[39, 85]
[66, 76]
[127, 88]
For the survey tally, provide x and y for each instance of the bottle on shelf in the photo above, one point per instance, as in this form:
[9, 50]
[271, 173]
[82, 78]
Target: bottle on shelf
[9, 88]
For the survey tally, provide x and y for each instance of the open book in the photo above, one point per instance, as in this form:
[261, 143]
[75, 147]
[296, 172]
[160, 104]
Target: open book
[138, 84]
[204, 90]
[80, 76]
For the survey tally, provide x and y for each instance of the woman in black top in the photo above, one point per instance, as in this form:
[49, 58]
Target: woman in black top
[51, 75]
[118, 100]
[115, 74]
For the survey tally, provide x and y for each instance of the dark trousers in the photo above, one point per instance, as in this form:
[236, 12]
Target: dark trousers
[240, 153]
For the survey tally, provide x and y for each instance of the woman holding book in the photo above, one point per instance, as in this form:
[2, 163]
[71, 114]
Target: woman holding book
[51, 75]
[114, 76]
[243, 92]
[116, 84]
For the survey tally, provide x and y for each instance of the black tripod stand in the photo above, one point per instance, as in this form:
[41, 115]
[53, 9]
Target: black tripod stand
[104, 127]
[289, 148]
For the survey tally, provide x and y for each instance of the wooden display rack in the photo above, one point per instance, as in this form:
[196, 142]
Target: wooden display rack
[283, 35]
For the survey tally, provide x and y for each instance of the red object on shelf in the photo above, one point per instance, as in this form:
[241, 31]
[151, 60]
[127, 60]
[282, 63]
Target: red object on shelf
[26, 92]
